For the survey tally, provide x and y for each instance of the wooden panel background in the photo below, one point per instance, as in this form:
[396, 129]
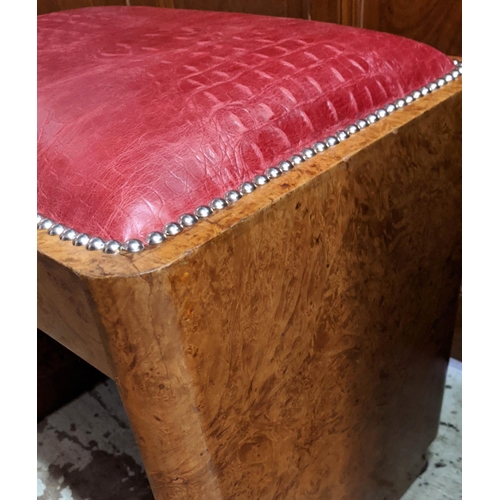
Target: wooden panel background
[435, 22]
[281, 8]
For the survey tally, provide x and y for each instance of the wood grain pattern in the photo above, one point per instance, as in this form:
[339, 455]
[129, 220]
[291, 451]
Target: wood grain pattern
[46, 6]
[295, 346]
[67, 314]
[280, 8]
[433, 22]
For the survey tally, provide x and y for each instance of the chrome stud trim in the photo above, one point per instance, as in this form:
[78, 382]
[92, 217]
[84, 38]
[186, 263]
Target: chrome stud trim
[132, 246]
[56, 230]
[45, 224]
[308, 153]
[95, 244]
[400, 103]
[172, 228]
[319, 147]
[187, 220]
[260, 180]
[218, 204]
[294, 160]
[285, 166]
[342, 135]
[155, 238]
[272, 173]
[390, 108]
[247, 188]
[112, 247]
[232, 196]
[68, 234]
[81, 240]
[203, 212]
[352, 129]
[331, 141]
[361, 124]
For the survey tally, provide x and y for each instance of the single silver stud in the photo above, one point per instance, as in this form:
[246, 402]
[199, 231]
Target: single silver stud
[81, 240]
[260, 180]
[218, 204]
[56, 230]
[424, 90]
[155, 238]
[361, 124]
[95, 244]
[331, 141]
[172, 228]
[45, 224]
[372, 118]
[381, 113]
[272, 173]
[296, 160]
[233, 196]
[455, 62]
[39, 218]
[132, 246]
[203, 212]
[285, 166]
[247, 188]
[432, 86]
[455, 74]
[390, 108]
[68, 234]
[112, 247]
[308, 153]
[441, 82]
[342, 135]
[409, 99]
[352, 129]
[319, 147]
[459, 68]
[416, 94]
[448, 77]
[187, 220]
[400, 103]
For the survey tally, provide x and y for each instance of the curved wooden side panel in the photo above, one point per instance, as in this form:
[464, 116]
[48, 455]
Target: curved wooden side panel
[300, 352]
[67, 313]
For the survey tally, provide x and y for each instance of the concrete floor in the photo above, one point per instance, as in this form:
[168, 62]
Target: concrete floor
[86, 450]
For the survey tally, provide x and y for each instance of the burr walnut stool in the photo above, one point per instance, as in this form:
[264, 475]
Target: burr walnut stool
[293, 343]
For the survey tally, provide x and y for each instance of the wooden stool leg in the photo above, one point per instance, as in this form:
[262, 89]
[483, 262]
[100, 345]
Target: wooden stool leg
[302, 353]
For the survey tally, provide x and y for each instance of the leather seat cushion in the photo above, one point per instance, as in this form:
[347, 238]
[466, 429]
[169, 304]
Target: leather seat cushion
[146, 113]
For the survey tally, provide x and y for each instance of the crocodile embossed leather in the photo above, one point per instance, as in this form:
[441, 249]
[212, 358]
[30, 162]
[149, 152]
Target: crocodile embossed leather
[145, 114]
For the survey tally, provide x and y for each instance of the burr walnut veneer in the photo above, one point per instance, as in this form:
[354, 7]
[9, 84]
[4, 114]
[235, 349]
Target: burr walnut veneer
[294, 345]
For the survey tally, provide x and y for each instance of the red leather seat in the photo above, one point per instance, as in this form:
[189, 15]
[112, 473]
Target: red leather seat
[145, 114]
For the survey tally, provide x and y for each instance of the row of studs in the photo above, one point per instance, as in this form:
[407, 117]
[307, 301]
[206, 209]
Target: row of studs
[232, 196]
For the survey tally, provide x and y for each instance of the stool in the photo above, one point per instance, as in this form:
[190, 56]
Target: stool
[253, 225]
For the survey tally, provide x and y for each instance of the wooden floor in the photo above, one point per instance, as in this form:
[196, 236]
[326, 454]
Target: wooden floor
[86, 450]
